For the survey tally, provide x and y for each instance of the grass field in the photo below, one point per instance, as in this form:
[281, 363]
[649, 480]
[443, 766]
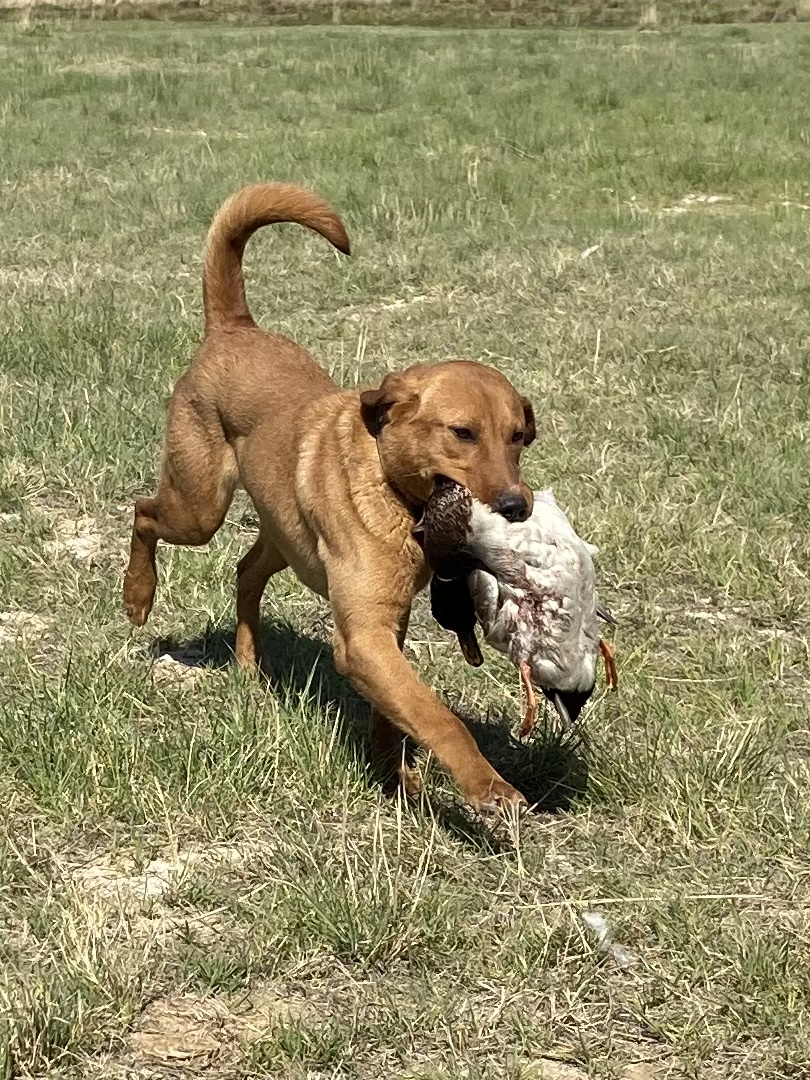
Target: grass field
[197, 876]
[612, 14]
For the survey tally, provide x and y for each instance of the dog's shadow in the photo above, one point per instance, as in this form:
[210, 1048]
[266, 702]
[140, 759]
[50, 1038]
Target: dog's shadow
[550, 769]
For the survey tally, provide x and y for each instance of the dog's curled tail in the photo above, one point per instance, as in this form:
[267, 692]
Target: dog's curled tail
[241, 215]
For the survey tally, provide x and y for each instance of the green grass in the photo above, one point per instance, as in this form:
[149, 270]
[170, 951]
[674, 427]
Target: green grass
[613, 14]
[197, 875]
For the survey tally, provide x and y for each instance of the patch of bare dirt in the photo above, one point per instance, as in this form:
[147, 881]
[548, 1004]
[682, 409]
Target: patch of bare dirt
[140, 897]
[695, 203]
[120, 881]
[180, 1029]
[551, 1069]
[734, 617]
[199, 1031]
[104, 881]
[22, 626]
[119, 65]
[698, 202]
[180, 665]
[715, 204]
[640, 1070]
[79, 538]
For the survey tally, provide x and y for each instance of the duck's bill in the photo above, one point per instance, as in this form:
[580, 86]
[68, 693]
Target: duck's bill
[470, 649]
[568, 703]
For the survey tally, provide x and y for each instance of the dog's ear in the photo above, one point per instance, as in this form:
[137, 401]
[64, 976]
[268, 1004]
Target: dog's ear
[530, 431]
[376, 405]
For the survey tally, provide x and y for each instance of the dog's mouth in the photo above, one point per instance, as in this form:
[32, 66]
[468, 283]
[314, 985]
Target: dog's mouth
[442, 483]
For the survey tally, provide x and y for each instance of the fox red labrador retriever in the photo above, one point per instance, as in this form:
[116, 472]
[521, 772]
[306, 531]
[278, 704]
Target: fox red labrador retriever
[338, 479]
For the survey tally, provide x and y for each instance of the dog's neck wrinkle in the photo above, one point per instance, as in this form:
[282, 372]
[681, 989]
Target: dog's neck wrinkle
[381, 504]
[375, 504]
[415, 510]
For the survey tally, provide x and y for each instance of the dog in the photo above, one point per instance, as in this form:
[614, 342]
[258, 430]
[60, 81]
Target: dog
[339, 479]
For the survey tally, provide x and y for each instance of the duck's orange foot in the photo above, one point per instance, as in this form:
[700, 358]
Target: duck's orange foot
[531, 701]
[609, 656]
[529, 720]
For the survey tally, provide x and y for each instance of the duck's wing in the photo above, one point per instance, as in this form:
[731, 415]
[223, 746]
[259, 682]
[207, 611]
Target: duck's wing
[547, 526]
[552, 523]
[557, 560]
[560, 567]
[497, 606]
[543, 552]
[486, 597]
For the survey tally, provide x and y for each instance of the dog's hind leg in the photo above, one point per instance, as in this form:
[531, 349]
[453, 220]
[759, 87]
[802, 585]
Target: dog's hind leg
[196, 487]
[252, 574]
[392, 757]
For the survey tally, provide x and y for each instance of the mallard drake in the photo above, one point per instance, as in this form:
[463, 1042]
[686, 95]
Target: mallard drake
[531, 584]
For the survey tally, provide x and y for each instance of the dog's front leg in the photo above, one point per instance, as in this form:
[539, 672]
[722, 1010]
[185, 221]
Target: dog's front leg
[391, 752]
[367, 650]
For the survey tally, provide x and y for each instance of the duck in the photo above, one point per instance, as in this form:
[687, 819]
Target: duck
[531, 586]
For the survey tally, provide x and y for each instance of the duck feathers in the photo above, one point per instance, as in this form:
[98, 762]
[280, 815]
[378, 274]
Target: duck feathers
[537, 600]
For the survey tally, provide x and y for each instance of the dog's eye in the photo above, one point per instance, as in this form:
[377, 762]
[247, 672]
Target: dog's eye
[463, 433]
[517, 437]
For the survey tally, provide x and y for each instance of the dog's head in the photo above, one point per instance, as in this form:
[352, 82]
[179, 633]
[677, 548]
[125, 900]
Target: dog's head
[456, 419]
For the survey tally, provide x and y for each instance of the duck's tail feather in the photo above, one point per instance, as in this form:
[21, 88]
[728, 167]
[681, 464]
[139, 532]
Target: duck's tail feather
[604, 614]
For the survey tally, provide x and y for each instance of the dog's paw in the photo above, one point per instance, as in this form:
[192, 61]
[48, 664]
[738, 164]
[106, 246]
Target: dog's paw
[497, 797]
[410, 781]
[137, 613]
[137, 607]
[139, 596]
[404, 780]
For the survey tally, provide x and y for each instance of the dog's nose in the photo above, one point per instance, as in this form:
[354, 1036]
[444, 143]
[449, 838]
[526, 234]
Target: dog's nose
[511, 505]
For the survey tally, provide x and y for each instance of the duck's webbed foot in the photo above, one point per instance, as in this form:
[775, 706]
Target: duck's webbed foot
[609, 657]
[531, 701]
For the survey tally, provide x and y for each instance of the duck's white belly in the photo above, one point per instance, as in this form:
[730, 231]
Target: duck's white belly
[550, 621]
[544, 629]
